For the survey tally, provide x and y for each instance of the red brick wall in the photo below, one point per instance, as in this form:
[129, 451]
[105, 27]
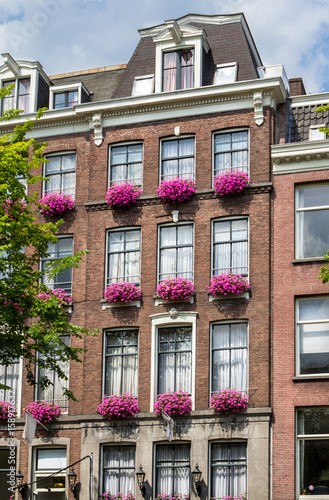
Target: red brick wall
[290, 281]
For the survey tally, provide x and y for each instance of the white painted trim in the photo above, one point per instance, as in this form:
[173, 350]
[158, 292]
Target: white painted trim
[161, 320]
[300, 157]
[158, 301]
[107, 305]
[244, 295]
[59, 89]
[319, 99]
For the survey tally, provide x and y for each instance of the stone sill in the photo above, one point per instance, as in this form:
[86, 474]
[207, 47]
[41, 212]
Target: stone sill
[107, 305]
[307, 378]
[159, 301]
[308, 261]
[244, 295]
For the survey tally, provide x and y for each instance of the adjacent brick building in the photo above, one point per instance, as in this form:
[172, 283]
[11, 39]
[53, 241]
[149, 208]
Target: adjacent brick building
[193, 101]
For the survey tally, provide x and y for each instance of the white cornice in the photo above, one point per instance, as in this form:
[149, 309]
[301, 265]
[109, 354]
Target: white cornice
[310, 100]
[161, 106]
[300, 157]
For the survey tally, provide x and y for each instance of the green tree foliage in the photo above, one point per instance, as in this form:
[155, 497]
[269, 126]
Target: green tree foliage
[30, 328]
[324, 276]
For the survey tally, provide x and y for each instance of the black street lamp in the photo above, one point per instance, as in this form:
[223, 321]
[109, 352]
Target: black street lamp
[197, 479]
[140, 480]
[19, 484]
[72, 482]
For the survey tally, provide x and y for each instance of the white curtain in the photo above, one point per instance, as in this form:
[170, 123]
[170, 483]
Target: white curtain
[229, 474]
[124, 262]
[9, 375]
[24, 95]
[119, 469]
[229, 366]
[187, 69]
[169, 71]
[173, 469]
[54, 393]
[177, 260]
[231, 246]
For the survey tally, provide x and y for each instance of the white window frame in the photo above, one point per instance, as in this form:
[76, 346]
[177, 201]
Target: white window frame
[124, 144]
[228, 442]
[297, 334]
[113, 330]
[315, 134]
[47, 259]
[52, 155]
[60, 89]
[229, 131]
[231, 322]
[47, 472]
[176, 138]
[298, 210]
[185, 223]
[16, 81]
[120, 229]
[299, 439]
[53, 375]
[155, 468]
[223, 219]
[102, 451]
[167, 320]
[233, 65]
[7, 395]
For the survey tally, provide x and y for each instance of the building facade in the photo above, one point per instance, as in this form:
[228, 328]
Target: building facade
[300, 334]
[193, 102]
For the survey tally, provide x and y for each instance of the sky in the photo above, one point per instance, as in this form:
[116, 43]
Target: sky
[72, 35]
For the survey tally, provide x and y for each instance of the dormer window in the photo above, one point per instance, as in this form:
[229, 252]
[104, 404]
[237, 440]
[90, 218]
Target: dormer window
[225, 73]
[19, 97]
[178, 70]
[68, 96]
[66, 99]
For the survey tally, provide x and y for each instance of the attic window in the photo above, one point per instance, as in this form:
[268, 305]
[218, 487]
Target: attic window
[68, 96]
[19, 97]
[66, 99]
[225, 73]
[316, 134]
[143, 85]
[178, 70]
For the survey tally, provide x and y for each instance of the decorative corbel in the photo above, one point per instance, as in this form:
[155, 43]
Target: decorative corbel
[258, 106]
[98, 129]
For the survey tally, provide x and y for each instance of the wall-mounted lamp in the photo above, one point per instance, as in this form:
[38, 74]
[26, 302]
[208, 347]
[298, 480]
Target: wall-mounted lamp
[197, 479]
[72, 482]
[19, 484]
[140, 474]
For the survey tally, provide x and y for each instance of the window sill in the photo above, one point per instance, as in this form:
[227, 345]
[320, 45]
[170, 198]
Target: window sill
[107, 305]
[304, 378]
[310, 260]
[159, 301]
[244, 295]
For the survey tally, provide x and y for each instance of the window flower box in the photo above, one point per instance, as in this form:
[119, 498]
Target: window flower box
[176, 190]
[228, 284]
[118, 496]
[175, 496]
[175, 289]
[173, 403]
[122, 195]
[43, 412]
[230, 182]
[122, 292]
[121, 406]
[6, 410]
[65, 299]
[229, 400]
[56, 204]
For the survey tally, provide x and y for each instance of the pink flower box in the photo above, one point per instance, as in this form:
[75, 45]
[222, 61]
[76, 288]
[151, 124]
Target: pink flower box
[122, 292]
[120, 406]
[44, 412]
[230, 182]
[229, 400]
[175, 289]
[228, 283]
[176, 190]
[173, 403]
[6, 410]
[122, 195]
[56, 204]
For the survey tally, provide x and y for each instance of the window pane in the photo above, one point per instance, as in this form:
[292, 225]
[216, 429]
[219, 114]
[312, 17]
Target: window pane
[314, 196]
[231, 151]
[230, 246]
[174, 365]
[313, 233]
[61, 173]
[173, 469]
[119, 469]
[51, 459]
[229, 469]
[124, 256]
[178, 259]
[178, 158]
[121, 362]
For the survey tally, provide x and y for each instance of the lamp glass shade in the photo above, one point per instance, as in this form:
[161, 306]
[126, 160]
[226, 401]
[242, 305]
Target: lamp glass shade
[197, 474]
[72, 477]
[140, 475]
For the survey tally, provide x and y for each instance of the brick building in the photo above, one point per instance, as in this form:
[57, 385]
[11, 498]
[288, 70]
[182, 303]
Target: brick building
[301, 306]
[193, 101]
